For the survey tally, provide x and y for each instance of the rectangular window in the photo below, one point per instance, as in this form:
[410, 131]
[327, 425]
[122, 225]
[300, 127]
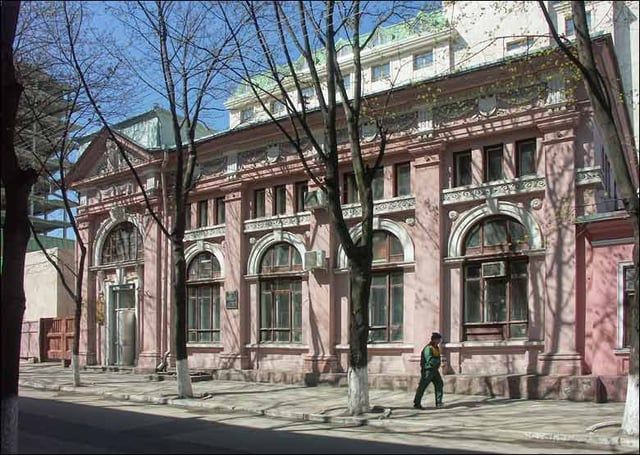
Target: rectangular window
[308, 94]
[301, 192]
[628, 295]
[462, 168]
[203, 314]
[281, 311]
[346, 80]
[350, 189]
[246, 115]
[279, 200]
[377, 184]
[496, 304]
[188, 224]
[423, 60]
[493, 163]
[569, 25]
[259, 203]
[526, 158]
[379, 72]
[520, 45]
[203, 213]
[220, 213]
[277, 107]
[402, 184]
[386, 307]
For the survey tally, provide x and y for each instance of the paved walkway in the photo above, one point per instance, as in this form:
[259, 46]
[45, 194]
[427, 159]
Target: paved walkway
[478, 415]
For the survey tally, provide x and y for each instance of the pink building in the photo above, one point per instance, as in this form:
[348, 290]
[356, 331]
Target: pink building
[496, 225]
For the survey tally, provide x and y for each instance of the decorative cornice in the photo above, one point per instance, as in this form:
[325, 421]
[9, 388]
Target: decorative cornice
[205, 233]
[277, 222]
[512, 187]
[589, 176]
[396, 204]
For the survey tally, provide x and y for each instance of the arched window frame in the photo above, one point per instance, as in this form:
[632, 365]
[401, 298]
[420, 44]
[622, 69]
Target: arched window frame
[134, 251]
[481, 285]
[280, 285]
[386, 317]
[203, 300]
[510, 245]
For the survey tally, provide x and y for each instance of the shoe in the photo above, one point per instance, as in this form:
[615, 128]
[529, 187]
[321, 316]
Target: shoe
[417, 406]
[439, 406]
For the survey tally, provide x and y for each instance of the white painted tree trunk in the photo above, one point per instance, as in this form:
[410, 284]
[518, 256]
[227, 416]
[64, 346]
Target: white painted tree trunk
[631, 415]
[358, 393]
[75, 369]
[183, 378]
[10, 424]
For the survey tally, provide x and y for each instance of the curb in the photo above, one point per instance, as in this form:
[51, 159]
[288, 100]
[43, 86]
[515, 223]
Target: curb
[623, 441]
[347, 421]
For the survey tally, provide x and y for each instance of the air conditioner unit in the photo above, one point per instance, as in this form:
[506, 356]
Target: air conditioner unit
[315, 200]
[494, 269]
[315, 260]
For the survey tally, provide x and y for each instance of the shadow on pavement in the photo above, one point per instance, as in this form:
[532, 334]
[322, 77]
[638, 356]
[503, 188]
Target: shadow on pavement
[77, 428]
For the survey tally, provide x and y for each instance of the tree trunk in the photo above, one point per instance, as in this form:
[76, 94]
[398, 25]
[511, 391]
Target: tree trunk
[75, 350]
[631, 414]
[180, 321]
[17, 184]
[358, 378]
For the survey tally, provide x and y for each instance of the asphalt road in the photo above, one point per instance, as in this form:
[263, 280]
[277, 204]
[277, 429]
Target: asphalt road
[59, 423]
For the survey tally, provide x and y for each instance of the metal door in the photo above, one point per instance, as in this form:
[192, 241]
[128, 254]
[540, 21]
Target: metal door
[123, 330]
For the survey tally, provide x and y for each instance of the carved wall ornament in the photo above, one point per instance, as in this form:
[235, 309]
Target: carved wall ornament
[214, 167]
[535, 203]
[118, 213]
[273, 153]
[487, 105]
[493, 190]
[277, 222]
[453, 215]
[398, 204]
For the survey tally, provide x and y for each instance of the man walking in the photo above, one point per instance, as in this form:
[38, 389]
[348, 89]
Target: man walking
[429, 365]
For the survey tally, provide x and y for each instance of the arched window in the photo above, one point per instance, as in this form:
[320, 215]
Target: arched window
[496, 235]
[281, 295]
[495, 280]
[386, 300]
[281, 257]
[203, 296]
[123, 243]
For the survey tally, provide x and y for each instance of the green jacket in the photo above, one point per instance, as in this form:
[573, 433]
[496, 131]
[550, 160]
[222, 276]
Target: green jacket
[430, 358]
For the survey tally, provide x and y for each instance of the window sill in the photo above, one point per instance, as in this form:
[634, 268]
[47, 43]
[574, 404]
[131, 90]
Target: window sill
[623, 352]
[212, 345]
[380, 347]
[493, 344]
[289, 346]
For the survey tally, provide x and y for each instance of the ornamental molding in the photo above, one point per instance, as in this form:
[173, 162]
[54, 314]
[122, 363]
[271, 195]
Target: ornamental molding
[396, 204]
[205, 233]
[511, 187]
[213, 167]
[277, 222]
[589, 176]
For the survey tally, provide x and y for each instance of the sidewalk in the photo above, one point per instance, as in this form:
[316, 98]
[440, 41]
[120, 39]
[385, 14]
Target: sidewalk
[521, 419]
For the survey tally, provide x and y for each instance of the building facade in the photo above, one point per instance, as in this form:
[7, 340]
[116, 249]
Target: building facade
[495, 225]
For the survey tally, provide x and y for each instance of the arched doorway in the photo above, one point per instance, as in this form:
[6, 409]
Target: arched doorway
[120, 256]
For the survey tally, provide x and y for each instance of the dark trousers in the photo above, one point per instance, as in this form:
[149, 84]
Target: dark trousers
[428, 376]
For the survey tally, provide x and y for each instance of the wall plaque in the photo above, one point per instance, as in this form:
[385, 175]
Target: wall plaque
[231, 300]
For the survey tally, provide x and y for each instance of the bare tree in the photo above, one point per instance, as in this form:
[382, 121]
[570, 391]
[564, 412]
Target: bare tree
[181, 44]
[602, 95]
[278, 61]
[17, 182]
[52, 114]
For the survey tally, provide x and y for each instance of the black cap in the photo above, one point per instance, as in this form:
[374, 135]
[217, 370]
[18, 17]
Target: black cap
[436, 335]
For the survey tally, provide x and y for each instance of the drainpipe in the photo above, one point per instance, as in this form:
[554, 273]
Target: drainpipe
[164, 342]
